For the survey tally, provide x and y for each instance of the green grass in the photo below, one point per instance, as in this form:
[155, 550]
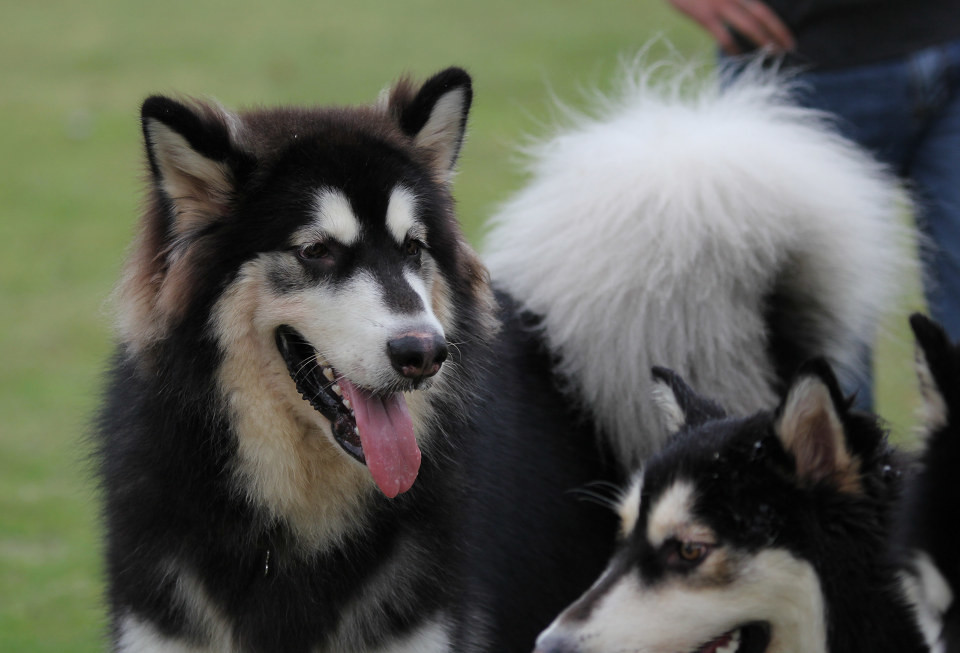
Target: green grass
[73, 76]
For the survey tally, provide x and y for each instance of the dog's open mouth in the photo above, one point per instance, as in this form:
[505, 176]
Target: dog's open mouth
[375, 429]
[750, 638]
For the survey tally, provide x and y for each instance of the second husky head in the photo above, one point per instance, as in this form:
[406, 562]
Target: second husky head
[764, 534]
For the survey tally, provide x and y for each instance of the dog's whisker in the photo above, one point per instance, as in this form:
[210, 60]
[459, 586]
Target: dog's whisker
[610, 489]
[584, 494]
[303, 366]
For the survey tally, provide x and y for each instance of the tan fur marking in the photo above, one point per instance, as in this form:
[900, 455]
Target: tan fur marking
[155, 287]
[199, 187]
[473, 269]
[442, 303]
[136, 293]
[720, 567]
[812, 431]
[288, 461]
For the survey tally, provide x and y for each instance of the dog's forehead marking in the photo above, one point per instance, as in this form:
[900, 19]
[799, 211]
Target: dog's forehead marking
[401, 214]
[335, 216]
[671, 513]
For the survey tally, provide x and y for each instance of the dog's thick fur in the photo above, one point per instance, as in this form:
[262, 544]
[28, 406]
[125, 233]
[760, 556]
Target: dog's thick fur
[765, 534]
[928, 530]
[680, 227]
[727, 235]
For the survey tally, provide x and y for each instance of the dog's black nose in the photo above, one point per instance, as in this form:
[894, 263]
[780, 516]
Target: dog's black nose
[417, 355]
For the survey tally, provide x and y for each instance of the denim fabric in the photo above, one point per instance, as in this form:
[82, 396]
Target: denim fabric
[907, 111]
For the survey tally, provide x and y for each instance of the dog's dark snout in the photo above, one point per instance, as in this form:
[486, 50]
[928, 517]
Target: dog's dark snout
[417, 355]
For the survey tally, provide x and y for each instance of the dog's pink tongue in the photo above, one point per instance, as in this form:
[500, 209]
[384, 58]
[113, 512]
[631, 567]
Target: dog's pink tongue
[386, 434]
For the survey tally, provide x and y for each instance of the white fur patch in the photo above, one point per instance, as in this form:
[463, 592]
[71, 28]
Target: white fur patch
[629, 507]
[335, 216]
[931, 596]
[671, 616]
[653, 233]
[431, 638]
[139, 636]
[202, 611]
[671, 414]
[670, 516]
[401, 215]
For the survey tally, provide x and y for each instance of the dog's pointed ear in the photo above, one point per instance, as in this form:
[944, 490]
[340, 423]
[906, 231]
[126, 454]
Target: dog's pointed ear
[938, 370]
[679, 405]
[810, 426]
[195, 166]
[434, 115]
[193, 160]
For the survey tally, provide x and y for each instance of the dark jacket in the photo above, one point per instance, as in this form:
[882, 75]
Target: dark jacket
[840, 33]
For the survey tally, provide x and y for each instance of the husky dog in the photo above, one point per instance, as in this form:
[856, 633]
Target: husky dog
[308, 349]
[928, 528]
[753, 535]
[326, 430]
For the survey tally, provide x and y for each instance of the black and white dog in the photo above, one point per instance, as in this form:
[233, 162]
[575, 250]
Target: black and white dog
[764, 534]
[325, 430]
[928, 528]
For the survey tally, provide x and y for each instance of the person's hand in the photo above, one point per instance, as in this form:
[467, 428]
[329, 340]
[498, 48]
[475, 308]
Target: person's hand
[752, 19]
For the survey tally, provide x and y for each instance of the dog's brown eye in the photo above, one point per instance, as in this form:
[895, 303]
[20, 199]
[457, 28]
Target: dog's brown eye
[412, 247]
[693, 551]
[313, 251]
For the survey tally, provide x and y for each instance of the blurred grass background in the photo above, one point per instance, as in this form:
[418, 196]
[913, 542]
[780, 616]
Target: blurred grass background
[70, 177]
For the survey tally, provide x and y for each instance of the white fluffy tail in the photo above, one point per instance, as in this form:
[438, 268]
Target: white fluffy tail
[668, 230]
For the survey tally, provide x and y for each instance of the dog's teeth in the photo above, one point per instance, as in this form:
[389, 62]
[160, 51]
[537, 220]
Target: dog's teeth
[328, 372]
[336, 390]
[733, 645]
[346, 402]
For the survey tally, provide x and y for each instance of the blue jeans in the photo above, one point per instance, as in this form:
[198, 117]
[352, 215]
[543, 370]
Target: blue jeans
[907, 112]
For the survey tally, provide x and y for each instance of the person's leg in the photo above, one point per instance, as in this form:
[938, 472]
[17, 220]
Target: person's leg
[935, 171]
[872, 106]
